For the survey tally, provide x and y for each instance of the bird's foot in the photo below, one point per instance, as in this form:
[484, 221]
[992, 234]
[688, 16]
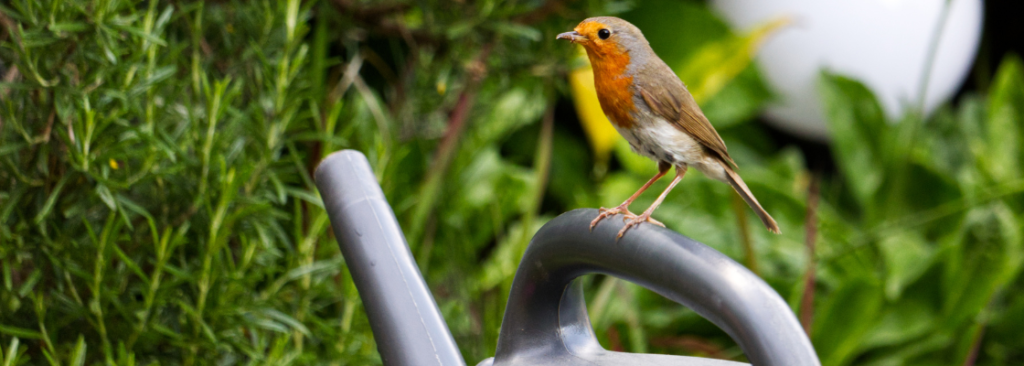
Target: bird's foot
[606, 212]
[637, 220]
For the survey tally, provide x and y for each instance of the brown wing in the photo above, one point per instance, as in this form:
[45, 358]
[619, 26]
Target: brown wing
[670, 100]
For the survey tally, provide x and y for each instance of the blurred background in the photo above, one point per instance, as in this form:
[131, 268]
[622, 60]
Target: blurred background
[157, 206]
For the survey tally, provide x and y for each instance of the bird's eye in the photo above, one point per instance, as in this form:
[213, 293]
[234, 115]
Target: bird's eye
[604, 33]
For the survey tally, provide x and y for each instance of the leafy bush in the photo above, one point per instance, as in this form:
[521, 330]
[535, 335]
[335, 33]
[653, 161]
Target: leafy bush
[156, 204]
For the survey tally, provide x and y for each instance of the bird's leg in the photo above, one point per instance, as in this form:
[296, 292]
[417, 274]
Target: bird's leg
[646, 216]
[663, 168]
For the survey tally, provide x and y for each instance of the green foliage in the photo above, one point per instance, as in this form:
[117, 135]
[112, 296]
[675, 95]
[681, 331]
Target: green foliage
[935, 210]
[156, 203]
[919, 243]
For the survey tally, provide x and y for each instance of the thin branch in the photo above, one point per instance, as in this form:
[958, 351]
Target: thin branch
[11, 74]
[921, 218]
[614, 340]
[975, 346]
[541, 168]
[447, 147]
[377, 18]
[811, 227]
[370, 13]
[375, 109]
[9, 77]
[6, 26]
[750, 258]
[351, 71]
[933, 51]
[540, 13]
[693, 345]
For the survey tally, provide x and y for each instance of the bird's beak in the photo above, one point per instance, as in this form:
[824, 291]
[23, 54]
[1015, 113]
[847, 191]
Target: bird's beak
[570, 36]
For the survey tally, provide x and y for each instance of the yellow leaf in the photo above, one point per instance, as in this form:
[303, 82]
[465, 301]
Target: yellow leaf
[716, 64]
[599, 130]
[114, 165]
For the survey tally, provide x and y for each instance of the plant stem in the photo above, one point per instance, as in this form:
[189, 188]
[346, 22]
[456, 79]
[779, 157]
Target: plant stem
[749, 257]
[162, 254]
[811, 227]
[446, 151]
[96, 304]
[933, 50]
[541, 167]
[972, 356]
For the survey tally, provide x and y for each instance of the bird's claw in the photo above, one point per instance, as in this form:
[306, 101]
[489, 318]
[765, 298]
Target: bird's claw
[637, 220]
[607, 212]
[653, 221]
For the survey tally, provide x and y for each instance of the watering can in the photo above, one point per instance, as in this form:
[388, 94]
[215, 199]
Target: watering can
[545, 321]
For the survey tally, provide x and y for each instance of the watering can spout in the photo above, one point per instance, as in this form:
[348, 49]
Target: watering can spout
[406, 322]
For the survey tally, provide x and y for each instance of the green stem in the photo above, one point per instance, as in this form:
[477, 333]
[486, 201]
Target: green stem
[933, 50]
[162, 254]
[41, 317]
[541, 168]
[445, 152]
[96, 304]
[916, 219]
[749, 257]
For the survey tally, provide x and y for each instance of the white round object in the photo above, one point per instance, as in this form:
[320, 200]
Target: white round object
[882, 43]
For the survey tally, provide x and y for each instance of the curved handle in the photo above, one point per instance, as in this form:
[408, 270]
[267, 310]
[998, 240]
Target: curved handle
[545, 324]
[406, 322]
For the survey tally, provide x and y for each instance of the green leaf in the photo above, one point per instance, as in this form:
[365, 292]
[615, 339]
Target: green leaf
[12, 353]
[130, 263]
[78, 353]
[290, 321]
[906, 255]
[512, 110]
[985, 256]
[30, 283]
[460, 29]
[901, 322]
[68, 26]
[933, 343]
[846, 316]
[856, 122]
[106, 196]
[1005, 118]
[141, 33]
[37, 38]
[676, 29]
[741, 100]
[12, 147]
[50, 357]
[714, 65]
[305, 195]
[51, 200]
[493, 178]
[501, 266]
[517, 30]
[20, 332]
[633, 162]
[134, 207]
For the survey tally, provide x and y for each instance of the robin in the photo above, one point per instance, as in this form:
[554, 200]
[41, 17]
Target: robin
[651, 108]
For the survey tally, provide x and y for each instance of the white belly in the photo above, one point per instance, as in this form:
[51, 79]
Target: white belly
[661, 141]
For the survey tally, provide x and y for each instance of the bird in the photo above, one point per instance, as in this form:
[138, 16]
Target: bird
[652, 109]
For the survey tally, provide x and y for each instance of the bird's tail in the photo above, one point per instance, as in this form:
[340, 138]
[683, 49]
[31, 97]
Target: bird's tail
[741, 188]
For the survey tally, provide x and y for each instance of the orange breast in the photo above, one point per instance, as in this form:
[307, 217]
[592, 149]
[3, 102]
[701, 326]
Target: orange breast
[613, 85]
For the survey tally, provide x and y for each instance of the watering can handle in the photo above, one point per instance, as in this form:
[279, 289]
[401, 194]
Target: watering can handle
[546, 320]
